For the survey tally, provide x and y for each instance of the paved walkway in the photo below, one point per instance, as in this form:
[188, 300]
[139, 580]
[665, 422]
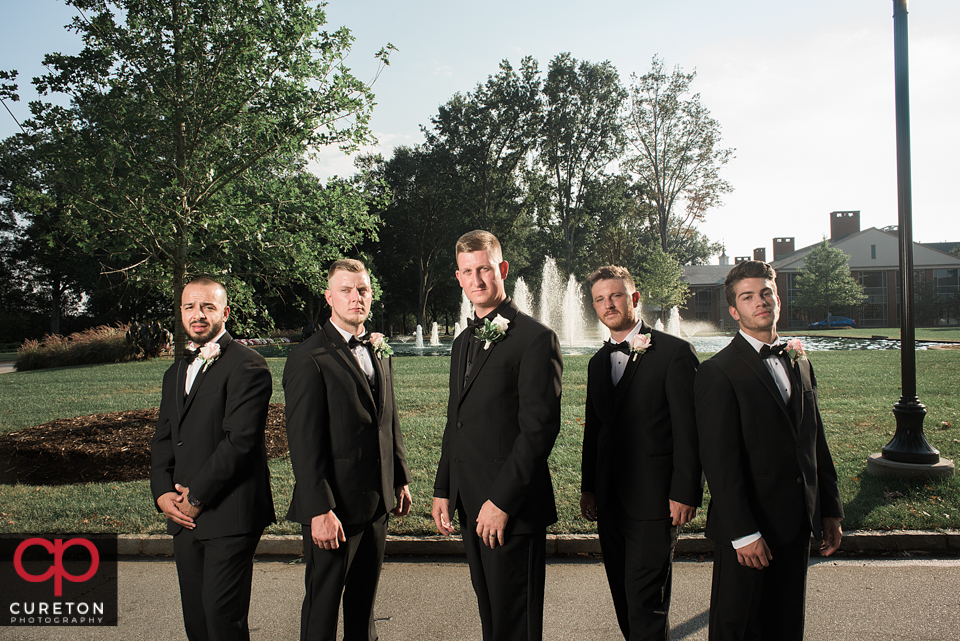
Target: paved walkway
[430, 599]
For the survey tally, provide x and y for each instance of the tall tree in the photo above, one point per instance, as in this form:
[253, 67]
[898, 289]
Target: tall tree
[825, 280]
[174, 102]
[676, 153]
[421, 221]
[480, 144]
[582, 135]
[660, 280]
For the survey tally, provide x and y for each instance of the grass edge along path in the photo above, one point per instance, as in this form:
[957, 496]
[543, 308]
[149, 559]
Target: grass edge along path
[857, 393]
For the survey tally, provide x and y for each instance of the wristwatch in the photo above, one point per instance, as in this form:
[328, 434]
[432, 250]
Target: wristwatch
[194, 501]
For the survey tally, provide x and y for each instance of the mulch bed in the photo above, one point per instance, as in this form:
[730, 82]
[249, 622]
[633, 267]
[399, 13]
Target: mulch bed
[98, 448]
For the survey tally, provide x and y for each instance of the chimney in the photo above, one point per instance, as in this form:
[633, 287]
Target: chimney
[740, 259]
[724, 259]
[844, 223]
[760, 253]
[782, 247]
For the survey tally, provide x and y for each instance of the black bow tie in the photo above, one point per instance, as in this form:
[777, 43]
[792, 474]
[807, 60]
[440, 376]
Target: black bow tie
[766, 351]
[619, 347]
[475, 323]
[356, 342]
[190, 355]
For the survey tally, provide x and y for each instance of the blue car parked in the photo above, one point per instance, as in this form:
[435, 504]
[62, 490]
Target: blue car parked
[835, 321]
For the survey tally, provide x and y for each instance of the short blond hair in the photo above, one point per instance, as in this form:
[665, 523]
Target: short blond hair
[479, 240]
[351, 265]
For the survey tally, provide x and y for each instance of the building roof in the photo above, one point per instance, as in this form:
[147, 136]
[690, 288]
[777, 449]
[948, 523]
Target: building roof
[706, 274]
[872, 248]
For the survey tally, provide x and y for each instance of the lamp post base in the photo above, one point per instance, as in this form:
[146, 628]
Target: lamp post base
[877, 465]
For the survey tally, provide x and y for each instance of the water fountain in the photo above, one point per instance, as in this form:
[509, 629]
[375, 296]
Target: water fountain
[456, 329]
[522, 297]
[673, 321]
[435, 335]
[551, 297]
[419, 343]
[658, 325]
[572, 311]
[466, 311]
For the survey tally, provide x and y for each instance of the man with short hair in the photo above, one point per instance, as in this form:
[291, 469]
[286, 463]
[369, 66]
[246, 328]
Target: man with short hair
[503, 417]
[349, 463]
[209, 473]
[771, 478]
[641, 476]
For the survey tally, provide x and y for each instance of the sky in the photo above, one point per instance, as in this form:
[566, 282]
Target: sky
[803, 91]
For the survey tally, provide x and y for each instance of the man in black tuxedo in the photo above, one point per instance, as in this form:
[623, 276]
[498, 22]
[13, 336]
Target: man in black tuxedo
[503, 417]
[348, 459]
[209, 472]
[771, 478]
[641, 475]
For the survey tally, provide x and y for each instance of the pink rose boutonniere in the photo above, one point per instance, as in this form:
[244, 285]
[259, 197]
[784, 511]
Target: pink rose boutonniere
[379, 344]
[207, 354]
[640, 344]
[794, 350]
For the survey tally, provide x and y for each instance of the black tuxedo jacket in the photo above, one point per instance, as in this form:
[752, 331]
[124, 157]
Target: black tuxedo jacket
[502, 424]
[767, 463]
[212, 441]
[640, 437]
[345, 445]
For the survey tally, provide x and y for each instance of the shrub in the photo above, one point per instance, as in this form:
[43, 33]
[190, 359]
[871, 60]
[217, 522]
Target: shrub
[102, 344]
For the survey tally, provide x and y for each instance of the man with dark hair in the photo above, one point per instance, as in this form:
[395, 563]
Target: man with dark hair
[503, 417]
[771, 478]
[346, 448]
[641, 476]
[209, 473]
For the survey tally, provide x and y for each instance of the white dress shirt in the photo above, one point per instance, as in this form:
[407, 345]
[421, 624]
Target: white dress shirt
[619, 360]
[361, 352]
[778, 370]
[194, 368]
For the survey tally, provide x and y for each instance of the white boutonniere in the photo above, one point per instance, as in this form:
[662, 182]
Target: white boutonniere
[379, 344]
[640, 344]
[794, 350]
[492, 331]
[207, 354]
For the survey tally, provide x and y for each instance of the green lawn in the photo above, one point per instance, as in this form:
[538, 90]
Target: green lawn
[857, 391]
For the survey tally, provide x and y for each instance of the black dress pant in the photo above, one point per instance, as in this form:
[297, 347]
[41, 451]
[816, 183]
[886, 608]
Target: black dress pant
[509, 582]
[352, 572]
[215, 582]
[638, 559]
[760, 605]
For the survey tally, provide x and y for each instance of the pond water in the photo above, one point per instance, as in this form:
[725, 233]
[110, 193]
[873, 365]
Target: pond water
[703, 345]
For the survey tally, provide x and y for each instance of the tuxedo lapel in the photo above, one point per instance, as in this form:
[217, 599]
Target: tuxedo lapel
[343, 352]
[633, 362]
[381, 382]
[181, 386]
[602, 390]
[509, 312]
[752, 358]
[223, 342]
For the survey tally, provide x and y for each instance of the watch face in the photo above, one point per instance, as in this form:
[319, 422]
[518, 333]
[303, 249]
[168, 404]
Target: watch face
[195, 502]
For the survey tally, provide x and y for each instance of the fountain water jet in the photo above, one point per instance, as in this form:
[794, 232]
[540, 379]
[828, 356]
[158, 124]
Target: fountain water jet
[521, 296]
[466, 312]
[419, 343]
[435, 334]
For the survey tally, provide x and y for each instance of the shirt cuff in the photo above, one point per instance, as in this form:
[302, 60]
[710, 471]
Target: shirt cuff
[744, 541]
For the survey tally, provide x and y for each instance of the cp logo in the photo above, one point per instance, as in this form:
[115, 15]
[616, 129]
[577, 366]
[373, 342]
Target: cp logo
[56, 570]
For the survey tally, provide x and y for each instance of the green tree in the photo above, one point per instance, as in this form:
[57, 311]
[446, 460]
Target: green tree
[825, 280]
[421, 222]
[582, 135]
[676, 154]
[480, 143]
[660, 280]
[179, 105]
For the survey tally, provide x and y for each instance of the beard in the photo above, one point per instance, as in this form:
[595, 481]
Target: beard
[205, 337]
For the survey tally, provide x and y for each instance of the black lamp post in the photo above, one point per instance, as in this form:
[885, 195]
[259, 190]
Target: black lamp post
[908, 444]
